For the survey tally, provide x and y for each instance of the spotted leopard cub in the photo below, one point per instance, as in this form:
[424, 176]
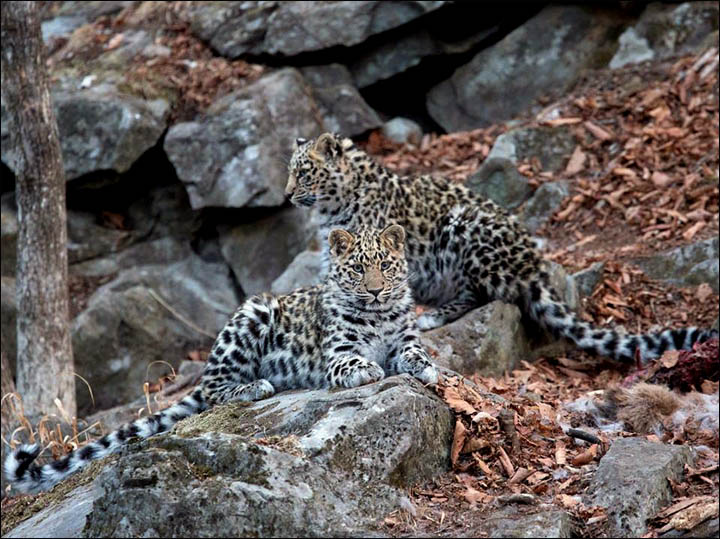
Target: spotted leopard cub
[353, 329]
[462, 250]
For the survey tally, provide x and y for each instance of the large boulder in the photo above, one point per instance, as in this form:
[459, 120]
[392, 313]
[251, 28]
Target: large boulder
[342, 108]
[148, 313]
[666, 30]
[259, 251]
[393, 431]
[289, 28]
[100, 128]
[543, 56]
[234, 154]
[302, 463]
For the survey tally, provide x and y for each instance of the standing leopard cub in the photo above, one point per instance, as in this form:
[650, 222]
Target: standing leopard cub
[353, 329]
[463, 250]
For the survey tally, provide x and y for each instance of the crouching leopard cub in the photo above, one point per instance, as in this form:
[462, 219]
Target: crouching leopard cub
[462, 249]
[353, 329]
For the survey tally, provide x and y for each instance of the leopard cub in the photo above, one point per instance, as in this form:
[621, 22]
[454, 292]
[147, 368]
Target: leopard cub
[353, 329]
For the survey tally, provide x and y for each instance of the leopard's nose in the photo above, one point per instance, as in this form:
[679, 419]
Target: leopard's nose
[375, 291]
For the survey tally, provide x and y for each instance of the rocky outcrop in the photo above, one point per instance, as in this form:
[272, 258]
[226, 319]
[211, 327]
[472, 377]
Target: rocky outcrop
[232, 156]
[504, 81]
[302, 463]
[341, 106]
[100, 129]
[290, 28]
[150, 313]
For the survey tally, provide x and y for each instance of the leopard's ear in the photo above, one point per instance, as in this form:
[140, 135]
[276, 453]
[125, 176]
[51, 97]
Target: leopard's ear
[326, 147]
[298, 142]
[394, 235]
[340, 241]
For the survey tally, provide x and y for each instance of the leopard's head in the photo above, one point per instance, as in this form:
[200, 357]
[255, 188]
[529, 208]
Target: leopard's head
[369, 265]
[318, 171]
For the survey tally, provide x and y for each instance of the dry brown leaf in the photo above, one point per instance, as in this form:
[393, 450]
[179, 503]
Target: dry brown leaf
[458, 441]
[576, 162]
[660, 179]
[597, 131]
[586, 456]
[457, 403]
[703, 292]
[562, 121]
[115, 41]
[694, 229]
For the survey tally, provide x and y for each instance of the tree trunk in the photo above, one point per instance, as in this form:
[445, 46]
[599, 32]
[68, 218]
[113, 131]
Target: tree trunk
[44, 348]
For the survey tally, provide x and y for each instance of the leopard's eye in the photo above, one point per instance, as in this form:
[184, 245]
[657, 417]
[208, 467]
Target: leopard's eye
[385, 265]
[357, 268]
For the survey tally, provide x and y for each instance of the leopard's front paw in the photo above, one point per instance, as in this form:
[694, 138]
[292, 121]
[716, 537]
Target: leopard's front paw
[429, 320]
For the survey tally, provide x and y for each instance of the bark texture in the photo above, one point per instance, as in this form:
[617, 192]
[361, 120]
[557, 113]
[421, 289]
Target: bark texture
[44, 349]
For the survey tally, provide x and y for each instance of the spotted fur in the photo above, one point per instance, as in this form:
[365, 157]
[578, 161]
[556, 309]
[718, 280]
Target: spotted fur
[355, 328]
[462, 249]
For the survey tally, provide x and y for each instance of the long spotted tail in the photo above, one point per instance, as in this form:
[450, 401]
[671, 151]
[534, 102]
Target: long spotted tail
[561, 322]
[29, 478]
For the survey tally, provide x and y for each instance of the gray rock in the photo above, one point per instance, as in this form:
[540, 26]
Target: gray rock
[160, 251]
[302, 463]
[125, 328]
[289, 28]
[546, 522]
[543, 204]
[87, 239]
[587, 279]
[8, 319]
[632, 482]
[65, 518]
[498, 178]
[391, 58]
[707, 528]
[394, 431]
[402, 131]
[72, 15]
[258, 252]
[488, 341]
[665, 30]
[233, 155]
[633, 49]
[220, 485]
[100, 129]
[342, 108]
[304, 270]
[8, 234]
[689, 265]
[503, 81]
